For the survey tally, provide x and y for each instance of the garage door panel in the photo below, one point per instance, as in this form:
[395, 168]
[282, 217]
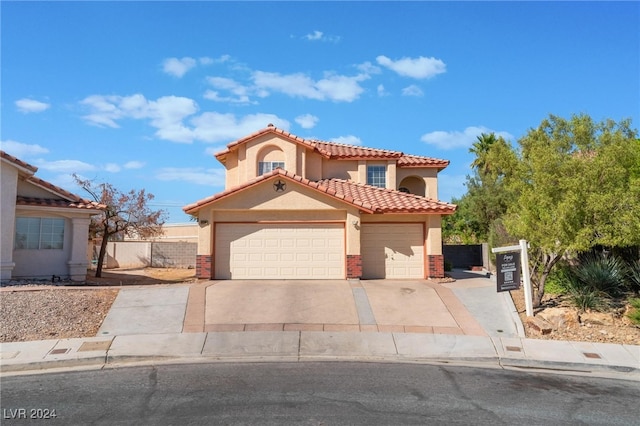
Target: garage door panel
[392, 250]
[272, 251]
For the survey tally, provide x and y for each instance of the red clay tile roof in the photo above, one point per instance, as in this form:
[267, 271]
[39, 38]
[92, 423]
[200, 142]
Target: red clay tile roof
[387, 200]
[67, 199]
[342, 151]
[366, 198]
[18, 162]
[338, 150]
[46, 202]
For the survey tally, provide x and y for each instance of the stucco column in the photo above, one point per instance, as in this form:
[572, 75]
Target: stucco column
[352, 235]
[8, 193]
[78, 261]
[204, 255]
[435, 259]
[362, 171]
[391, 174]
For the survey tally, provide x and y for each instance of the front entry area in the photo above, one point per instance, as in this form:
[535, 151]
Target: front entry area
[392, 250]
[279, 251]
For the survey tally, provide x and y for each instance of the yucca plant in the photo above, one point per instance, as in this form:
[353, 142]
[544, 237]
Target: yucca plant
[634, 275]
[607, 274]
[580, 295]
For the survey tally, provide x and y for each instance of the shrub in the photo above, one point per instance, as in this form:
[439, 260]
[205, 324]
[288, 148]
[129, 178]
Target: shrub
[634, 274]
[607, 274]
[580, 295]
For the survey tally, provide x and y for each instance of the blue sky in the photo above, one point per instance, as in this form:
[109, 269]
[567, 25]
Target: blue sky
[142, 94]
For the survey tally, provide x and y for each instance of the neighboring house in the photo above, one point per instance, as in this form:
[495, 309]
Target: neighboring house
[44, 229]
[295, 208]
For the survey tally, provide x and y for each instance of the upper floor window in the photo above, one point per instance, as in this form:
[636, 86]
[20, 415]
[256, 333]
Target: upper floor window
[268, 166]
[39, 233]
[376, 176]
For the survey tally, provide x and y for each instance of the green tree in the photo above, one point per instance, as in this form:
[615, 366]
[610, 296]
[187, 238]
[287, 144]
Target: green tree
[487, 197]
[126, 213]
[576, 185]
[480, 149]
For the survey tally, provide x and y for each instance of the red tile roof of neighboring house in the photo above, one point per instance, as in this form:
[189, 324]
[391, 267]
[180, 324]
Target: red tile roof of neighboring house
[18, 162]
[67, 199]
[367, 198]
[342, 151]
[47, 202]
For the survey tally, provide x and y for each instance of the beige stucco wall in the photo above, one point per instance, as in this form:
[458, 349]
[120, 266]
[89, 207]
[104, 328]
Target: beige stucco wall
[297, 203]
[340, 169]
[8, 192]
[429, 174]
[71, 261]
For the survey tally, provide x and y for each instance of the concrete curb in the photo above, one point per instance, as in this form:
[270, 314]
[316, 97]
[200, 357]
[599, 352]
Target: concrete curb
[617, 361]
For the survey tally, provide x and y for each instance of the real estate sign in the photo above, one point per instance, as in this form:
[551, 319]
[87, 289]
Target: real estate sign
[508, 271]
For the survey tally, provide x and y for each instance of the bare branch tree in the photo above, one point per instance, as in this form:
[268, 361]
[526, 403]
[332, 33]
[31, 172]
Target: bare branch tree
[126, 214]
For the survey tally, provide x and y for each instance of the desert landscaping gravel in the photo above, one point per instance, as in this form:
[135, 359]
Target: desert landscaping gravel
[36, 313]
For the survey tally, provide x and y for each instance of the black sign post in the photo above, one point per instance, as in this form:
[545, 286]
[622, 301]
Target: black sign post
[508, 271]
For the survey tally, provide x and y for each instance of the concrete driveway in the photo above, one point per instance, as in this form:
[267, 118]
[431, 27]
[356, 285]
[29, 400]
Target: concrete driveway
[328, 305]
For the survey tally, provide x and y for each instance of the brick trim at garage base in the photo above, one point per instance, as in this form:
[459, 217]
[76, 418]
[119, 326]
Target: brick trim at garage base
[354, 266]
[203, 267]
[435, 265]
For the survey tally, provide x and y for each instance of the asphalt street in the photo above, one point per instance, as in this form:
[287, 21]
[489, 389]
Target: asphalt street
[311, 393]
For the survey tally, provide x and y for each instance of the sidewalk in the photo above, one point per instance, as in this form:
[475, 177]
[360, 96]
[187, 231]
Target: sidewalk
[463, 322]
[621, 361]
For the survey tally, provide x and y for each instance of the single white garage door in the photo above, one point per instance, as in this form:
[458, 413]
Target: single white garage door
[392, 250]
[279, 251]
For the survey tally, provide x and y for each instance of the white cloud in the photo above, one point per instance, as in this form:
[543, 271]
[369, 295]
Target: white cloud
[196, 175]
[27, 106]
[316, 35]
[240, 92]
[419, 68]
[216, 127]
[347, 140]
[65, 166]
[205, 60]
[168, 115]
[381, 90]
[368, 68]
[332, 87]
[165, 114]
[178, 67]
[22, 150]
[320, 36]
[412, 90]
[131, 165]
[456, 139]
[112, 168]
[307, 121]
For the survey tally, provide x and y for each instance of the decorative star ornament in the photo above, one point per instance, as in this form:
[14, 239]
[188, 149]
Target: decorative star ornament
[279, 186]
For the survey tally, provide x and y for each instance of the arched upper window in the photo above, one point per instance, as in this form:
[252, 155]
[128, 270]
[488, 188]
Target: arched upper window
[413, 185]
[270, 158]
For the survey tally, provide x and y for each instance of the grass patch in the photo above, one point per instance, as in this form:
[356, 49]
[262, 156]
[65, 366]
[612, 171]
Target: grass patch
[634, 314]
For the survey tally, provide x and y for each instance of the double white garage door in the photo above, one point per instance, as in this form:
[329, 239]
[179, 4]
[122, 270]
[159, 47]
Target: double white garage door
[315, 251]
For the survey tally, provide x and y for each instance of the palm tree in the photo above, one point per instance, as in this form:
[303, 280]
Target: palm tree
[480, 149]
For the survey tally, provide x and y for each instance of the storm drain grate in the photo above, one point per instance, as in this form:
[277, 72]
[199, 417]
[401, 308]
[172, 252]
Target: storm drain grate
[592, 355]
[60, 351]
[514, 349]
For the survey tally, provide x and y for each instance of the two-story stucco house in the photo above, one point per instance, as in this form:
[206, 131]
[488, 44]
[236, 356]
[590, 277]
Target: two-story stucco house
[44, 229]
[295, 208]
